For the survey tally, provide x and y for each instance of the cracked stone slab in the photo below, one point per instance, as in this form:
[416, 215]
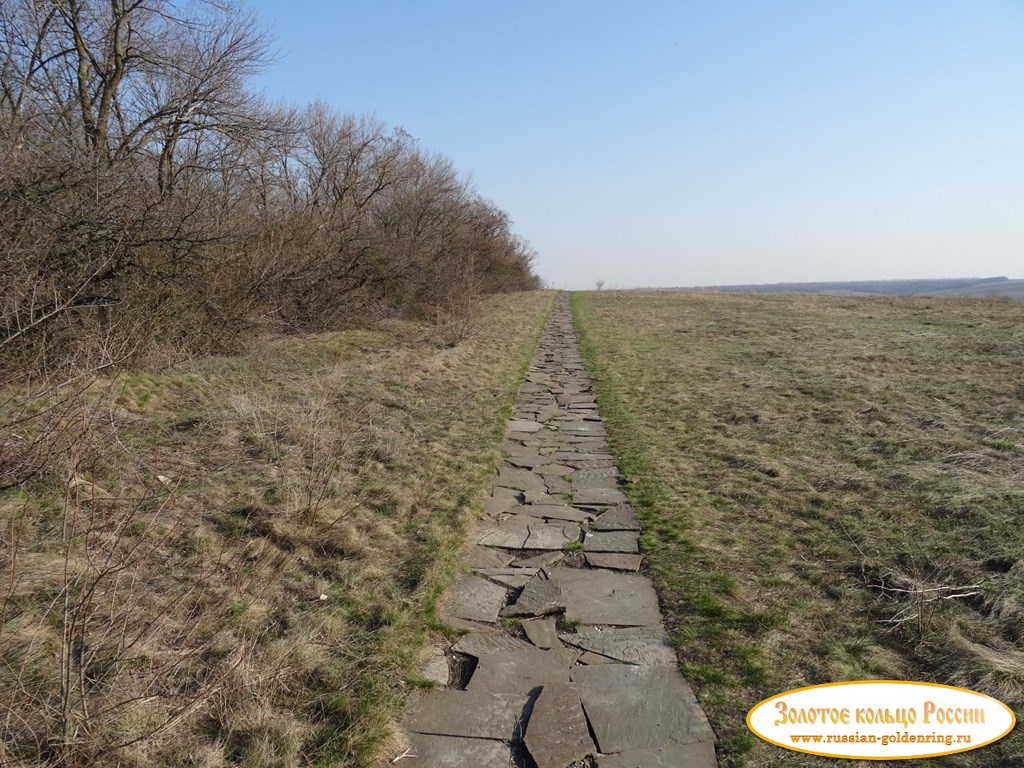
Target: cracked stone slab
[606, 597]
[522, 671]
[554, 512]
[516, 578]
[523, 425]
[558, 470]
[473, 714]
[618, 518]
[427, 751]
[510, 535]
[541, 632]
[592, 483]
[615, 561]
[556, 484]
[519, 480]
[486, 557]
[551, 536]
[700, 755]
[483, 643]
[436, 667]
[528, 462]
[539, 498]
[598, 497]
[495, 505]
[648, 646]
[589, 657]
[662, 708]
[538, 598]
[612, 541]
[557, 733]
[476, 599]
[538, 561]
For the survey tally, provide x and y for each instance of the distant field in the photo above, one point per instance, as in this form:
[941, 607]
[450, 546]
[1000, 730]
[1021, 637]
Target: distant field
[234, 561]
[1010, 289]
[816, 474]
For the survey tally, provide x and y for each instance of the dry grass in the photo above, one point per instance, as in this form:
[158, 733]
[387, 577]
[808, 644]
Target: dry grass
[831, 489]
[236, 561]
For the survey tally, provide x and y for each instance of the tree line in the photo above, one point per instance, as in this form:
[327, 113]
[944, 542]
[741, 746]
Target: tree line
[150, 198]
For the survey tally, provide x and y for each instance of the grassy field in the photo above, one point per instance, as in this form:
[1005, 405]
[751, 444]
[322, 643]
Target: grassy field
[831, 488]
[236, 560]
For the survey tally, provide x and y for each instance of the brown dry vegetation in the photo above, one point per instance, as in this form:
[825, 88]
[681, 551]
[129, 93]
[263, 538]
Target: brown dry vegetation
[831, 489]
[234, 560]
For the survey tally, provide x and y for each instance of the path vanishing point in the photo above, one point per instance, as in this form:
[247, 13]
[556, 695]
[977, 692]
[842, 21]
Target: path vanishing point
[566, 663]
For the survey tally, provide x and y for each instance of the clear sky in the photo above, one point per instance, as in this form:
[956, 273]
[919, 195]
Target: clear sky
[698, 143]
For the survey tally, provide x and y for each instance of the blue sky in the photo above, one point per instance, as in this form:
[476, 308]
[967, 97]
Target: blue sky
[699, 143]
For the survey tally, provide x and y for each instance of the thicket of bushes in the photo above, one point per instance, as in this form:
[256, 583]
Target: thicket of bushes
[149, 198]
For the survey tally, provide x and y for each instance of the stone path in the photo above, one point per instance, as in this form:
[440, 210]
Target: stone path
[566, 663]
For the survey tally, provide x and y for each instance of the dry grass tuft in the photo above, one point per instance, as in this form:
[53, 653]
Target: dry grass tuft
[831, 489]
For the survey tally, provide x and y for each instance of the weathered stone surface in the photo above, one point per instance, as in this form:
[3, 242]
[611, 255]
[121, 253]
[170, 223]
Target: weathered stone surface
[700, 755]
[528, 462]
[589, 657]
[522, 671]
[436, 667]
[619, 518]
[558, 470]
[648, 646]
[557, 733]
[556, 512]
[614, 561]
[591, 483]
[538, 561]
[475, 714]
[476, 599]
[540, 497]
[495, 505]
[604, 597]
[541, 632]
[486, 557]
[510, 534]
[551, 536]
[519, 479]
[662, 708]
[538, 598]
[596, 497]
[556, 485]
[523, 425]
[507, 493]
[427, 751]
[516, 578]
[579, 457]
[482, 643]
[611, 541]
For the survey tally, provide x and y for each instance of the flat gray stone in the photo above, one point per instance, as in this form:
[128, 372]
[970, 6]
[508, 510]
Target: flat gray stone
[483, 643]
[474, 714]
[579, 457]
[590, 483]
[614, 560]
[516, 578]
[476, 599]
[551, 536]
[507, 493]
[556, 485]
[541, 632]
[436, 667]
[557, 512]
[519, 480]
[427, 751]
[648, 646]
[538, 598]
[538, 561]
[612, 541]
[528, 462]
[522, 671]
[662, 709]
[589, 657]
[540, 497]
[699, 755]
[558, 470]
[510, 534]
[486, 557]
[597, 497]
[557, 733]
[523, 425]
[605, 597]
[495, 505]
[619, 518]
